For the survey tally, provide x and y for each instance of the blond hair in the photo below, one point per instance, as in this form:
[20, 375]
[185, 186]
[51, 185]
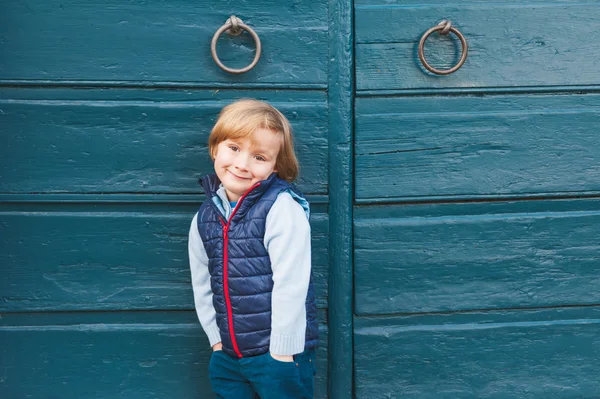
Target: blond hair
[242, 118]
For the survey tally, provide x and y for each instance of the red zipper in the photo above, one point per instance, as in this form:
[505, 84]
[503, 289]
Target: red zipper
[225, 268]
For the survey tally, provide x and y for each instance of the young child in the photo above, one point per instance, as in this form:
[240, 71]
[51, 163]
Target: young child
[250, 259]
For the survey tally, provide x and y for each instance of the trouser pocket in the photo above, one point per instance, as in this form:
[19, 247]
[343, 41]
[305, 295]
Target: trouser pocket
[274, 379]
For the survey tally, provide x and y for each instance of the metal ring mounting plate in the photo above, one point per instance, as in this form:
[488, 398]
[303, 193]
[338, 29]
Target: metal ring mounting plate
[463, 42]
[227, 26]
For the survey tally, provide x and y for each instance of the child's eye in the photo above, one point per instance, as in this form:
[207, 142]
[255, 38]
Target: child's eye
[260, 158]
[234, 148]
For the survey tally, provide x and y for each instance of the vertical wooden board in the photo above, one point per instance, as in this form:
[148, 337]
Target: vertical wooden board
[159, 41]
[120, 141]
[166, 357]
[476, 256]
[539, 354]
[340, 95]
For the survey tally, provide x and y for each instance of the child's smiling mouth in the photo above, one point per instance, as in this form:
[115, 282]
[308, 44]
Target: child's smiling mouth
[239, 177]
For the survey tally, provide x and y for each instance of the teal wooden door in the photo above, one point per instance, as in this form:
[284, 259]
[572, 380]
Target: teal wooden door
[105, 110]
[476, 202]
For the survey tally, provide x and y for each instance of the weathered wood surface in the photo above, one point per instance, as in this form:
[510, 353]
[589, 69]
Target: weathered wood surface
[112, 355]
[135, 141]
[121, 258]
[463, 147]
[537, 43]
[448, 257]
[341, 187]
[158, 41]
[96, 300]
[549, 353]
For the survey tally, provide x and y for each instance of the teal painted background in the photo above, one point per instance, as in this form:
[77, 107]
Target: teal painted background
[475, 219]
[455, 237]
[105, 111]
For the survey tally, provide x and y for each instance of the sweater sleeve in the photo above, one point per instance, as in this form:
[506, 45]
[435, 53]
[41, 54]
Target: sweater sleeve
[287, 240]
[203, 295]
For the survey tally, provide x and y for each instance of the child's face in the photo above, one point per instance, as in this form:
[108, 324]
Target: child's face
[240, 163]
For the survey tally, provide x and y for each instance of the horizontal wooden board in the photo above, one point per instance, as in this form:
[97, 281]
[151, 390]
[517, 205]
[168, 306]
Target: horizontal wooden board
[448, 257]
[118, 258]
[463, 147]
[150, 41]
[510, 44]
[157, 355]
[540, 354]
[136, 141]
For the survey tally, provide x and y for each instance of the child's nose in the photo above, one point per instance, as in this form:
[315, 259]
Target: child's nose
[242, 162]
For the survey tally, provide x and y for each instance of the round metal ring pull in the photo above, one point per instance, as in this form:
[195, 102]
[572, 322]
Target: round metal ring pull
[235, 26]
[444, 27]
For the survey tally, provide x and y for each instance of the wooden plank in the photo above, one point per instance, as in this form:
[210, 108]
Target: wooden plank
[510, 44]
[341, 160]
[131, 355]
[142, 141]
[540, 354]
[411, 259]
[118, 258]
[465, 147]
[157, 41]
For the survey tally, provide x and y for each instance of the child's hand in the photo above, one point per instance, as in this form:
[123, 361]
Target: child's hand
[283, 358]
[217, 347]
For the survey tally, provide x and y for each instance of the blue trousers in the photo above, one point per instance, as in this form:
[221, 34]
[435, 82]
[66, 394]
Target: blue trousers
[262, 377]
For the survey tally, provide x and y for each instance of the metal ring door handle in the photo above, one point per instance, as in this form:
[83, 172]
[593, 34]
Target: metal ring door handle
[444, 27]
[235, 26]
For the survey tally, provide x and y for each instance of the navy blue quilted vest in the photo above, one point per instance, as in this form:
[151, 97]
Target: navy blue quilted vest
[240, 269]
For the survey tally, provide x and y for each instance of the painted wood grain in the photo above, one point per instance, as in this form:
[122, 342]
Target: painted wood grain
[511, 44]
[139, 141]
[539, 354]
[476, 256]
[464, 147]
[157, 41]
[341, 187]
[112, 355]
[116, 258]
